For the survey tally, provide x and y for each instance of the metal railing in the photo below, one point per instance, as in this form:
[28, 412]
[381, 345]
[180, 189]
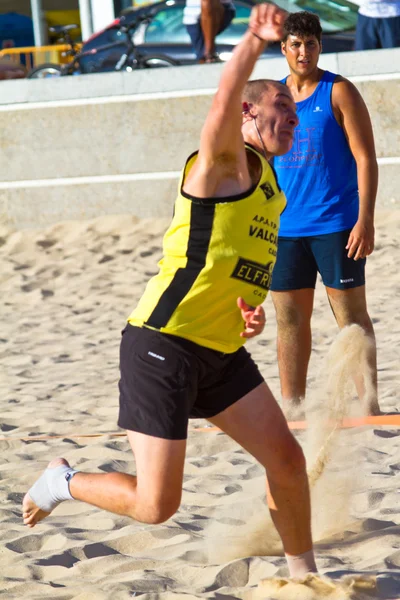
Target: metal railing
[32, 56]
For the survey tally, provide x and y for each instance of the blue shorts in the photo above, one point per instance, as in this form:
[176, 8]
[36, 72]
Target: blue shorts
[299, 259]
[373, 33]
[196, 34]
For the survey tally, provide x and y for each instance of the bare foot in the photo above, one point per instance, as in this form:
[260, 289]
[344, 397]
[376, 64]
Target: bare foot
[31, 513]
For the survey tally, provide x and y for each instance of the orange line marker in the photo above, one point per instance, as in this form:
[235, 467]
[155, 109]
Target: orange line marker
[381, 420]
[393, 420]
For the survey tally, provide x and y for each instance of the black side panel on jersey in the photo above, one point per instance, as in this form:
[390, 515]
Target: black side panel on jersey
[201, 223]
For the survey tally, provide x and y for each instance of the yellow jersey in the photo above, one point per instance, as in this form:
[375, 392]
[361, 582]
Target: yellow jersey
[214, 251]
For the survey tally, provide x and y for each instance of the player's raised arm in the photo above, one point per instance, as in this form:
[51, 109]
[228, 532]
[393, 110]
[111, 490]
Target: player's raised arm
[221, 135]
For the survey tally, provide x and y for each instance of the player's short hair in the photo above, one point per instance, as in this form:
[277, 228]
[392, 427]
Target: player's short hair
[302, 24]
[255, 89]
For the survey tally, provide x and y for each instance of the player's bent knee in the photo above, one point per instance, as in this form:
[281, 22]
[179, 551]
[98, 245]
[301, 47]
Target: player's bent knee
[290, 464]
[160, 512]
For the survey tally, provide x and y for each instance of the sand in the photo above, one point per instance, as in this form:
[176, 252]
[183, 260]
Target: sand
[66, 292]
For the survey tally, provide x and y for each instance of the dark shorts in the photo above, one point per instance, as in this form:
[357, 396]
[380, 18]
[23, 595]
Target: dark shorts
[196, 34]
[165, 380]
[299, 259]
[377, 33]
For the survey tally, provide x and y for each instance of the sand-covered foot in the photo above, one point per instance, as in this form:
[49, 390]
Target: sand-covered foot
[50, 489]
[317, 587]
[294, 409]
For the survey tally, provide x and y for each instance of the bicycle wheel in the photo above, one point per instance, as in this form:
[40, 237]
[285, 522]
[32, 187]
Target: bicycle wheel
[45, 70]
[153, 61]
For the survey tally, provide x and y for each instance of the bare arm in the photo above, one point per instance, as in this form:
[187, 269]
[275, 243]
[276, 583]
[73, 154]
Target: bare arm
[352, 113]
[222, 151]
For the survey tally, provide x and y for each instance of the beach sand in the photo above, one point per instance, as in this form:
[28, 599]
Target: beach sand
[66, 292]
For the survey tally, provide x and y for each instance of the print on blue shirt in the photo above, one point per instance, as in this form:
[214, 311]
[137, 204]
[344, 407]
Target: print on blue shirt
[319, 174]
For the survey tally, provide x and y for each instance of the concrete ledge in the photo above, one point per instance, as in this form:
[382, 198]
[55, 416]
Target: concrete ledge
[389, 186]
[94, 139]
[41, 206]
[368, 62]
[383, 100]
[38, 207]
[78, 147]
[128, 135]
[193, 77]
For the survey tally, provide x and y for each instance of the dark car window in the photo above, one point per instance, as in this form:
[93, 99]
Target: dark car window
[167, 27]
[107, 36]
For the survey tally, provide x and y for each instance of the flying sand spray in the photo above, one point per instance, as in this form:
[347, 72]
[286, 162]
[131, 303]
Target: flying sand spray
[332, 475]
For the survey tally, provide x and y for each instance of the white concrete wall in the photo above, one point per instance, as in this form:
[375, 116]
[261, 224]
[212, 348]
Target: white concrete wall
[102, 13]
[115, 143]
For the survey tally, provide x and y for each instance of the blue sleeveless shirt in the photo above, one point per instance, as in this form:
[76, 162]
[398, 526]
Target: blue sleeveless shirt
[319, 174]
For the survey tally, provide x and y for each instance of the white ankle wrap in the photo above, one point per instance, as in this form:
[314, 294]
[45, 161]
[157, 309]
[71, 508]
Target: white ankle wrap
[52, 487]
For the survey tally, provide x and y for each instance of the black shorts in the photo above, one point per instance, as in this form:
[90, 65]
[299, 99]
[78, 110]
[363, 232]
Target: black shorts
[165, 380]
[299, 259]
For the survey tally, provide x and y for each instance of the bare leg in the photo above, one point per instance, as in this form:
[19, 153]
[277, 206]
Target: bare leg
[293, 314]
[257, 423]
[349, 307]
[151, 497]
[212, 13]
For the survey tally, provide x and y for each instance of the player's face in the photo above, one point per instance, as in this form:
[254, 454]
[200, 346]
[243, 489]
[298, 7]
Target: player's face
[302, 53]
[277, 120]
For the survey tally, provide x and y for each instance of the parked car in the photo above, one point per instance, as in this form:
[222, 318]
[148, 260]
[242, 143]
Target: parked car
[164, 32]
[167, 34]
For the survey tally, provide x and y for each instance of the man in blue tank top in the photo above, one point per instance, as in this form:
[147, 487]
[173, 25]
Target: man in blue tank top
[330, 179]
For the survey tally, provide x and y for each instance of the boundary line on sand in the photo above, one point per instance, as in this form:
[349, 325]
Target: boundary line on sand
[381, 420]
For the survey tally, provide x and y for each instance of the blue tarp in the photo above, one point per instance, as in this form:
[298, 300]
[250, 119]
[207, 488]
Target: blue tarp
[15, 30]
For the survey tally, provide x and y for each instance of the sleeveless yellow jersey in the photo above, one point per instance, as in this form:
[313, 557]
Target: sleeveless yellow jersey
[215, 250]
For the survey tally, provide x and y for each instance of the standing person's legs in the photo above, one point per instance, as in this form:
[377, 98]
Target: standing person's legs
[198, 36]
[212, 15]
[293, 316]
[197, 39]
[344, 279]
[257, 423]
[389, 32]
[293, 283]
[350, 307]
[367, 34]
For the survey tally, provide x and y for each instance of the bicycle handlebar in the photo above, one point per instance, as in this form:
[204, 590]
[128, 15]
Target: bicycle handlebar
[147, 16]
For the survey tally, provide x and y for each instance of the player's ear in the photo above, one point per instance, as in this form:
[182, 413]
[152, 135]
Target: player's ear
[246, 111]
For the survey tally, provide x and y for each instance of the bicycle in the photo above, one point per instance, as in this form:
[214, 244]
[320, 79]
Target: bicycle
[131, 57]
